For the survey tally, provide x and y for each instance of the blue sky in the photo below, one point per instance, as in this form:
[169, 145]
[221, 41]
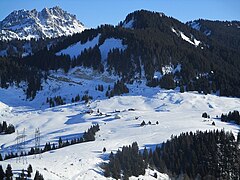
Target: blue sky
[95, 12]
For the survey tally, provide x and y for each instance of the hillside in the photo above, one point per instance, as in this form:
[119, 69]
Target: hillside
[152, 42]
[175, 112]
[71, 105]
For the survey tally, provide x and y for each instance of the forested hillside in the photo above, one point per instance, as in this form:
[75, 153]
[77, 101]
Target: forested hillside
[207, 63]
[200, 155]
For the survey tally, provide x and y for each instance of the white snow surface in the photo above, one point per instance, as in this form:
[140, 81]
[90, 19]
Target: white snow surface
[48, 23]
[76, 49]
[109, 44]
[176, 113]
[194, 42]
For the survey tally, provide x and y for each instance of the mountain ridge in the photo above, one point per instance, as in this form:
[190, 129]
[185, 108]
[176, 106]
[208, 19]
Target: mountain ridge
[155, 41]
[48, 23]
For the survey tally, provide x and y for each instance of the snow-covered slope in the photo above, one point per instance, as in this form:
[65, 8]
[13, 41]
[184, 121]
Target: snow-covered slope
[76, 49]
[192, 40]
[176, 112]
[49, 23]
[109, 44]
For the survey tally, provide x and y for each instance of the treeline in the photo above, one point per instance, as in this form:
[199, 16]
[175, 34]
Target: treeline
[25, 174]
[226, 33]
[17, 48]
[231, 117]
[118, 89]
[125, 163]
[58, 100]
[200, 155]
[13, 72]
[211, 67]
[89, 58]
[88, 135]
[55, 101]
[6, 129]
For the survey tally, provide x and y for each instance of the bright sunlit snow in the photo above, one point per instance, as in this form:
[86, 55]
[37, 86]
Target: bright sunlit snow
[176, 112]
[76, 49]
[195, 42]
[109, 44]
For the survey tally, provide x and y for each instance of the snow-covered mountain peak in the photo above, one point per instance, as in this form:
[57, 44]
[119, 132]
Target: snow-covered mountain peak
[48, 23]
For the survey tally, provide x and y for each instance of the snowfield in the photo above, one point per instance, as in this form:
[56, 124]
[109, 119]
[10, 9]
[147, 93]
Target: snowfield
[109, 44]
[176, 112]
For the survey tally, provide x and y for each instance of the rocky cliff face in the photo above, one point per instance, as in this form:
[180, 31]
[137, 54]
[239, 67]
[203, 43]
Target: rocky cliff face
[48, 23]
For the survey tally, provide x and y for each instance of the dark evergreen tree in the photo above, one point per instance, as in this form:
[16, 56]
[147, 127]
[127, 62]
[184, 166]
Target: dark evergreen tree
[38, 176]
[22, 175]
[29, 170]
[9, 173]
[167, 81]
[2, 174]
[104, 150]
[155, 175]
[200, 155]
[231, 116]
[60, 142]
[182, 89]
[143, 123]
[204, 115]
[238, 137]
[4, 126]
[129, 161]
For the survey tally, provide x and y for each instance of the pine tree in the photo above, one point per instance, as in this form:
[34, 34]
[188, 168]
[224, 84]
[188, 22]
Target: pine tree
[4, 126]
[29, 170]
[204, 115]
[238, 137]
[22, 175]
[2, 174]
[104, 150]
[38, 176]
[9, 173]
[143, 123]
[155, 175]
[107, 171]
[60, 142]
[182, 89]
[1, 157]
[1, 128]
[145, 154]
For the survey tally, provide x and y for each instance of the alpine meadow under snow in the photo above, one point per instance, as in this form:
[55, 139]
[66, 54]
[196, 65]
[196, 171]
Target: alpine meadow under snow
[176, 112]
[148, 80]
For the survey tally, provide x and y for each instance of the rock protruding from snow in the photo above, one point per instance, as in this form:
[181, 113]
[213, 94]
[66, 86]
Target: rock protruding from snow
[48, 23]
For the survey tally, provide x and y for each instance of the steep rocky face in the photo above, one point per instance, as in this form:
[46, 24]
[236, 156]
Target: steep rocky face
[48, 23]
